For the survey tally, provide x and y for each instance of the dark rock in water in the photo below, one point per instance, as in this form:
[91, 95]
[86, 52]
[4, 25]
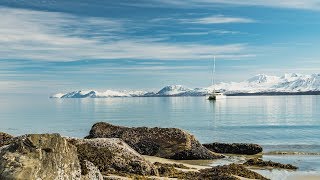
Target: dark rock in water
[171, 143]
[261, 163]
[39, 156]
[5, 139]
[112, 155]
[235, 148]
[226, 172]
[230, 170]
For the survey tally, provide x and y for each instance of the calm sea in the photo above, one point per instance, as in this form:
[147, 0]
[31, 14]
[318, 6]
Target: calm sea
[279, 123]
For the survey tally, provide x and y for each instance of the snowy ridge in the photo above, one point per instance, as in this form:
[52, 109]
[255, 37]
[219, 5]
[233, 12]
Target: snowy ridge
[173, 90]
[290, 83]
[261, 83]
[96, 94]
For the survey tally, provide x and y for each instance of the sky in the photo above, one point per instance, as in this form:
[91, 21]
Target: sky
[49, 46]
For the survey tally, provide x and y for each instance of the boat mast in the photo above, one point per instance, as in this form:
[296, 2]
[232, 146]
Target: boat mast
[213, 70]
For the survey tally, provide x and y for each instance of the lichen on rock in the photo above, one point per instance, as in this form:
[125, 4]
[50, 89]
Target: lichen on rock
[39, 156]
[90, 171]
[112, 155]
[5, 139]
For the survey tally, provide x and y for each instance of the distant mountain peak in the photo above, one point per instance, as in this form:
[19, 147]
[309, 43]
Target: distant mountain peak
[261, 83]
[173, 89]
[262, 78]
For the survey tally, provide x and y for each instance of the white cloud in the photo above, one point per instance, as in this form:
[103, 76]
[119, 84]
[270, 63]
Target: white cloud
[52, 36]
[220, 19]
[298, 4]
[215, 19]
[292, 4]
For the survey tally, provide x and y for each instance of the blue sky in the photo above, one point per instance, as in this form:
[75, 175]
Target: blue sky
[49, 46]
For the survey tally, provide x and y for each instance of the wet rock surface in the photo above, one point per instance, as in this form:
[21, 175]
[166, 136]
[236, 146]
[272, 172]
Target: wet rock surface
[5, 139]
[39, 156]
[262, 163]
[234, 148]
[112, 155]
[171, 143]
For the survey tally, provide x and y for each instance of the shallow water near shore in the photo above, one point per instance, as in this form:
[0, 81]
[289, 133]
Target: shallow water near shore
[289, 124]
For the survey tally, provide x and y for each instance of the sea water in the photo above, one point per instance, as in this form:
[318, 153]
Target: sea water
[279, 123]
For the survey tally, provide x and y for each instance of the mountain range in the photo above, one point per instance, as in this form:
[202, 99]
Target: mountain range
[260, 84]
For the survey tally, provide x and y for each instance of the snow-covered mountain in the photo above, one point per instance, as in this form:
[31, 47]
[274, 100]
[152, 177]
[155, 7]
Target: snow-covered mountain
[96, 94]
[173, 90]
[290, 83]
[261, 83]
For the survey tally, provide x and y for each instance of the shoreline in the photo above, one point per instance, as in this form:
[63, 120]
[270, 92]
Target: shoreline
[134, 152]
[268, 172]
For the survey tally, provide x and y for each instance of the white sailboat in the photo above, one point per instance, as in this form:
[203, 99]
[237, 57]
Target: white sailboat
[215, 95]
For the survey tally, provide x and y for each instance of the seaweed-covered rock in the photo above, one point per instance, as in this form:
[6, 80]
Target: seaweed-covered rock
[112, 155]
[235, 148]
[229, 170]
[90, 171]
[262, 163]
[5, 139]
[226, 172]
[39, 156]
[171, 143]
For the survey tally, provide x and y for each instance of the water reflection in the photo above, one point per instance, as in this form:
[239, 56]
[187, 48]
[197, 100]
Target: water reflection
[271, 120]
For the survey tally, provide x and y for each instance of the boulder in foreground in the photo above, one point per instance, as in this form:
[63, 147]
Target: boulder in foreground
[235, 148]
[39, 156]
[112, 155]
[171, 143]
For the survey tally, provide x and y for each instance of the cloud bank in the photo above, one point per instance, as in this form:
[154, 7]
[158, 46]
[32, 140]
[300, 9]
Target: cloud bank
[53, 36]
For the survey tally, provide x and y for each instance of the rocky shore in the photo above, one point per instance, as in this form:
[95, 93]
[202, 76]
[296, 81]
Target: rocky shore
[116, 152]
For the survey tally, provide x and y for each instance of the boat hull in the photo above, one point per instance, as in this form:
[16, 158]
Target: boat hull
[216, 97]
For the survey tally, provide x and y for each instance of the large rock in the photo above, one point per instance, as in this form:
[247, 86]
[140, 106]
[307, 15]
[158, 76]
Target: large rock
[112, 155]
[235, 148]
[39, 156]
[5, 139]
[169, 143]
